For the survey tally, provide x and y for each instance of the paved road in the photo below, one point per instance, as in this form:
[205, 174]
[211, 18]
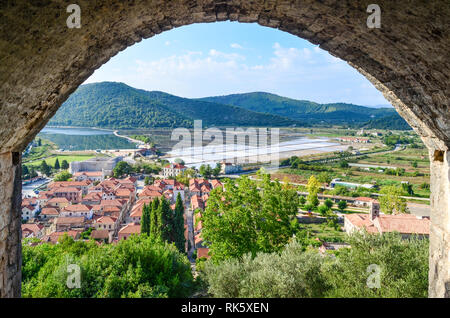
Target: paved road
[236, 175]
[419, 209]
[139, 142]
[362, 165]
[326, 188]
[28, 190]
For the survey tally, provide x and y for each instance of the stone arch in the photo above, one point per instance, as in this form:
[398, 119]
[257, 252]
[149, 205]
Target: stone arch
[43, 62]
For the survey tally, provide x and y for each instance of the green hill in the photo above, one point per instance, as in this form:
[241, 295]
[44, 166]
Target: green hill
[335, 113]
[119, 106]
[394, 121]
[116, 105]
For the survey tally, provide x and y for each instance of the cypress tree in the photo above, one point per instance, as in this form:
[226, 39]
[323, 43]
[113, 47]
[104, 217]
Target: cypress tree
[154, 232]
[165, 220]
[57, 166]
[64, 164]
[145, 220]
[45, 168]
[178, 225]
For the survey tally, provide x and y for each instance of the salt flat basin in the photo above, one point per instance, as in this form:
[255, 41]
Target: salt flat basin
[75, 131]
[211, 154]
[84, 138]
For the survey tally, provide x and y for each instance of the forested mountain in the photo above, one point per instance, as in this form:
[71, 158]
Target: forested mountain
[116, 105]
[335, 113]
[393, 121]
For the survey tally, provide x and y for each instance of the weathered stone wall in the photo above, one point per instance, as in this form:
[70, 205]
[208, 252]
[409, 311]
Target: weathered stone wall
[407, 59]
[43, 60]
[10, 221]
[439, 273]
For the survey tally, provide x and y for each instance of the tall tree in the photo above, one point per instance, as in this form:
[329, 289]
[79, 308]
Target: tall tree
[205, 171]
[249, 217]
[121, 169]
[313, 188]
[62, 176]
[165, 220]
[44, 168]
[342, 205]
[216, 170]
[154, 228]
[391, 201]
[57, 166]
[25, 170]
[145, 220]
[64, 164]
[178, 224]
[33, 172]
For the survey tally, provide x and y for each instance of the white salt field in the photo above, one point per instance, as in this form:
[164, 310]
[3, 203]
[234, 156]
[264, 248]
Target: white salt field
[245, 153]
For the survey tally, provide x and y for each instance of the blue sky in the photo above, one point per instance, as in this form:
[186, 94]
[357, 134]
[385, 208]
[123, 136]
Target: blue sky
[229, 57]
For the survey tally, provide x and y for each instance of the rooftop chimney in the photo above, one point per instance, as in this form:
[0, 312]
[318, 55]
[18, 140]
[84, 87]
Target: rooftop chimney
[374, 210]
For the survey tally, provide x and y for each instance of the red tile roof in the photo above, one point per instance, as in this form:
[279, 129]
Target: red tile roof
[76, 208]
[203, 252]
[29, 201]
[92, 196]
[69, 220]
[49, 211]
[116, 202]
[100, 234]
[150, 194]
[402, 223]
[365, 199]
[131, 228]
[33, 227]
[56, 184]
[106, 220]
[65, 190]
[88, 173]
[175, 166]
[57, 200]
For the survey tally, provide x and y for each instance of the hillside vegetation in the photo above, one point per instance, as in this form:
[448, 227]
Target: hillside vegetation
[335, 113]
[119, 106]
[393, 121]
[116, 105]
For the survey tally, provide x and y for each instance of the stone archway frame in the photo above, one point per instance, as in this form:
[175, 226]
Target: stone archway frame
[42, 62]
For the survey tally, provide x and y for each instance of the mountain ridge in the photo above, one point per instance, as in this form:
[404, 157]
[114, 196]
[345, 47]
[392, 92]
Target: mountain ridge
[120, 106]
[333, 113]
[117, 105]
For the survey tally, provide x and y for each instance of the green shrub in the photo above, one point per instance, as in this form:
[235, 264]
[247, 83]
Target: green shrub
[403, 267]
[292, 273]
[136, 267]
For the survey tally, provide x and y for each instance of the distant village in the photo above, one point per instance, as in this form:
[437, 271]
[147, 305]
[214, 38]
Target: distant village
[109, 209]
[106, 209]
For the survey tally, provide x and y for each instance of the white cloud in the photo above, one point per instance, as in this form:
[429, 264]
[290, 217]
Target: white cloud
[304, 73]
[236, 46]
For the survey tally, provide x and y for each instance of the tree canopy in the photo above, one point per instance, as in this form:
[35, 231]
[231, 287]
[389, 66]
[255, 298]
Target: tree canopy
[136, 267]
[249, 216]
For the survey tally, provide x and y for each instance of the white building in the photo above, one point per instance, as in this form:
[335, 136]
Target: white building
[77, 210]
[173, 170]
[104, 164]
[89, 175]
[228, 168]
[29, 211]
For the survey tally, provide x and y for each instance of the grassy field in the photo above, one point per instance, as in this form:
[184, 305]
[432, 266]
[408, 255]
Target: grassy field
[415, 163]
[42, 151]
[324, 232]
[69, 158]
[403, 159]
